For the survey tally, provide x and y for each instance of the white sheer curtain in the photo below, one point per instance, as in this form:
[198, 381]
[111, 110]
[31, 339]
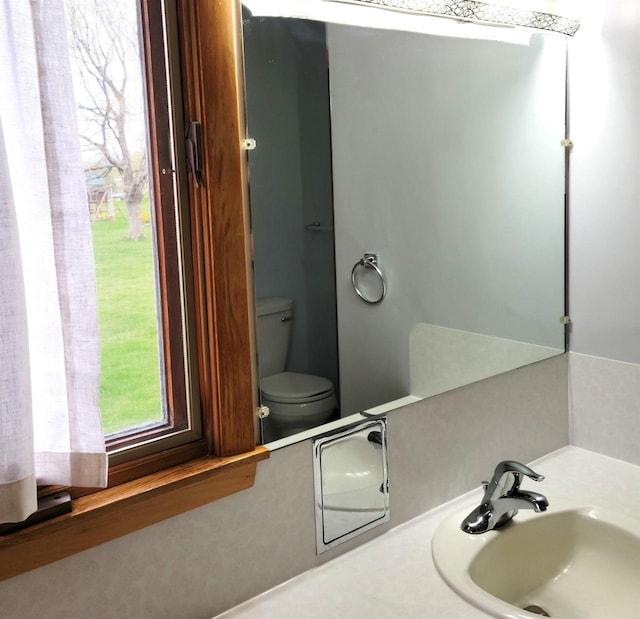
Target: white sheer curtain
[50, 428]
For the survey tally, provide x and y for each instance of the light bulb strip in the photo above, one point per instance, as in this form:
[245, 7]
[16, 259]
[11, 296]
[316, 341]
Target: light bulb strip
[482, 12]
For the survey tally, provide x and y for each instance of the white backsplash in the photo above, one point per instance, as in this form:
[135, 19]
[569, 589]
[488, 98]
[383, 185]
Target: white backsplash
[205, 561]
[604, 399]
[441, 359]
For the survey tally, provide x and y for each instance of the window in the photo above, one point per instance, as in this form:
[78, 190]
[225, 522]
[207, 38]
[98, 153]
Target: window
[127, 58]
[122, 67]
[204, 345]
[213, 263]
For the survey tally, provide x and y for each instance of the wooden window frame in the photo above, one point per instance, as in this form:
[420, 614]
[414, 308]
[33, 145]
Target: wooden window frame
[224, 461]
[178, 428]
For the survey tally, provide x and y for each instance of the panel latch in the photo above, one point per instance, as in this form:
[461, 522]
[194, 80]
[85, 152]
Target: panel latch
[193, 146]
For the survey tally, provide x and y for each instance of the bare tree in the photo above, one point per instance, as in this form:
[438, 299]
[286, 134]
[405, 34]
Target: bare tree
[105, 45]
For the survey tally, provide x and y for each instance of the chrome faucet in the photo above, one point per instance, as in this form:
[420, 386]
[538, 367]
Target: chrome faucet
[503, 498]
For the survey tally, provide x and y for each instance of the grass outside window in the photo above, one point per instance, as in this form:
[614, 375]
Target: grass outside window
[130, 387]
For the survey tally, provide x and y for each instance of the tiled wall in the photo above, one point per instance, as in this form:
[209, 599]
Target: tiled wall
[202, 562]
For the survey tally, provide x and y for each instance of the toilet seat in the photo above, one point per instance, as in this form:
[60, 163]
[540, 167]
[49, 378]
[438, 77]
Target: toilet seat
[294, 388]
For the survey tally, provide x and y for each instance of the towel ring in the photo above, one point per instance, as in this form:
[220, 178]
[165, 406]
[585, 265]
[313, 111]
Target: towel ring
[369, 261]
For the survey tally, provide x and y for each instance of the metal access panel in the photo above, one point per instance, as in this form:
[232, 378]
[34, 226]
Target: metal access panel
[351, 482]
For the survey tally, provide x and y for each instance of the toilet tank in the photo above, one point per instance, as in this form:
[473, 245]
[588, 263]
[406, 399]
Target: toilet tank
[274, 332]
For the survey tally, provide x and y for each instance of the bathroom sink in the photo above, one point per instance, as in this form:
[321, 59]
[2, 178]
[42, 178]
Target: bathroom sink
[572, 562]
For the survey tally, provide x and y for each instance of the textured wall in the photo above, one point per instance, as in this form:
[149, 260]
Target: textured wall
[605, 406]
[442, 359]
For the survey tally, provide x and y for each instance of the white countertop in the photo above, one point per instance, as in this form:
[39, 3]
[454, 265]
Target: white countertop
[393, 576]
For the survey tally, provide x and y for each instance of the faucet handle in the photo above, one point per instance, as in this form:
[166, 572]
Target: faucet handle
[511, 466]
[503, 498]
[506, 479]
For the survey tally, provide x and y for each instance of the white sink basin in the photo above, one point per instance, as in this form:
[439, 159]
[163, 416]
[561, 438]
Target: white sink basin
[572, 562]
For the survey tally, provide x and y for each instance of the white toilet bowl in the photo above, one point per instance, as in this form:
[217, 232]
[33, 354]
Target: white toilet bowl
[297, 402]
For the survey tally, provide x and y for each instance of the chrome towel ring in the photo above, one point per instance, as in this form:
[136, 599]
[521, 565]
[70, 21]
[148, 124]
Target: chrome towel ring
[369, 261]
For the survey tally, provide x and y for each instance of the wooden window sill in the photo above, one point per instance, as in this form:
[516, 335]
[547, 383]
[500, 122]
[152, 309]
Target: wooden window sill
[105, 515]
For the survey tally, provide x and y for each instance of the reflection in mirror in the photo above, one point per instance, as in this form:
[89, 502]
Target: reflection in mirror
[442, 157]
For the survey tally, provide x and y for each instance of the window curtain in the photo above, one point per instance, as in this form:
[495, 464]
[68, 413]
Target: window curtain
[50, 427]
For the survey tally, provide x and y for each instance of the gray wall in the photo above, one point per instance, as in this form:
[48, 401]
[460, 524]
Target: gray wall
[605, 184]
[604, 69]
[447, 163]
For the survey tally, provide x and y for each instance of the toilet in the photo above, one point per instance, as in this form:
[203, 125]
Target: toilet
[296, 401]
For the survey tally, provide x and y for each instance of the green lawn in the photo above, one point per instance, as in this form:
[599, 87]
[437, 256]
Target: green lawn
[130, 380]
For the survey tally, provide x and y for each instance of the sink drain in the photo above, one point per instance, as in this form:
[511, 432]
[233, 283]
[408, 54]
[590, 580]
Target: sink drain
[536, 610]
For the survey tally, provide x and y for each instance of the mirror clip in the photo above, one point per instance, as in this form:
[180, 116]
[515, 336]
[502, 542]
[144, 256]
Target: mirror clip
[262, 412]
[249, 144]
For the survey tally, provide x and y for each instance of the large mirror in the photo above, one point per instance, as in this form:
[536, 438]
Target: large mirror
[407, 201]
